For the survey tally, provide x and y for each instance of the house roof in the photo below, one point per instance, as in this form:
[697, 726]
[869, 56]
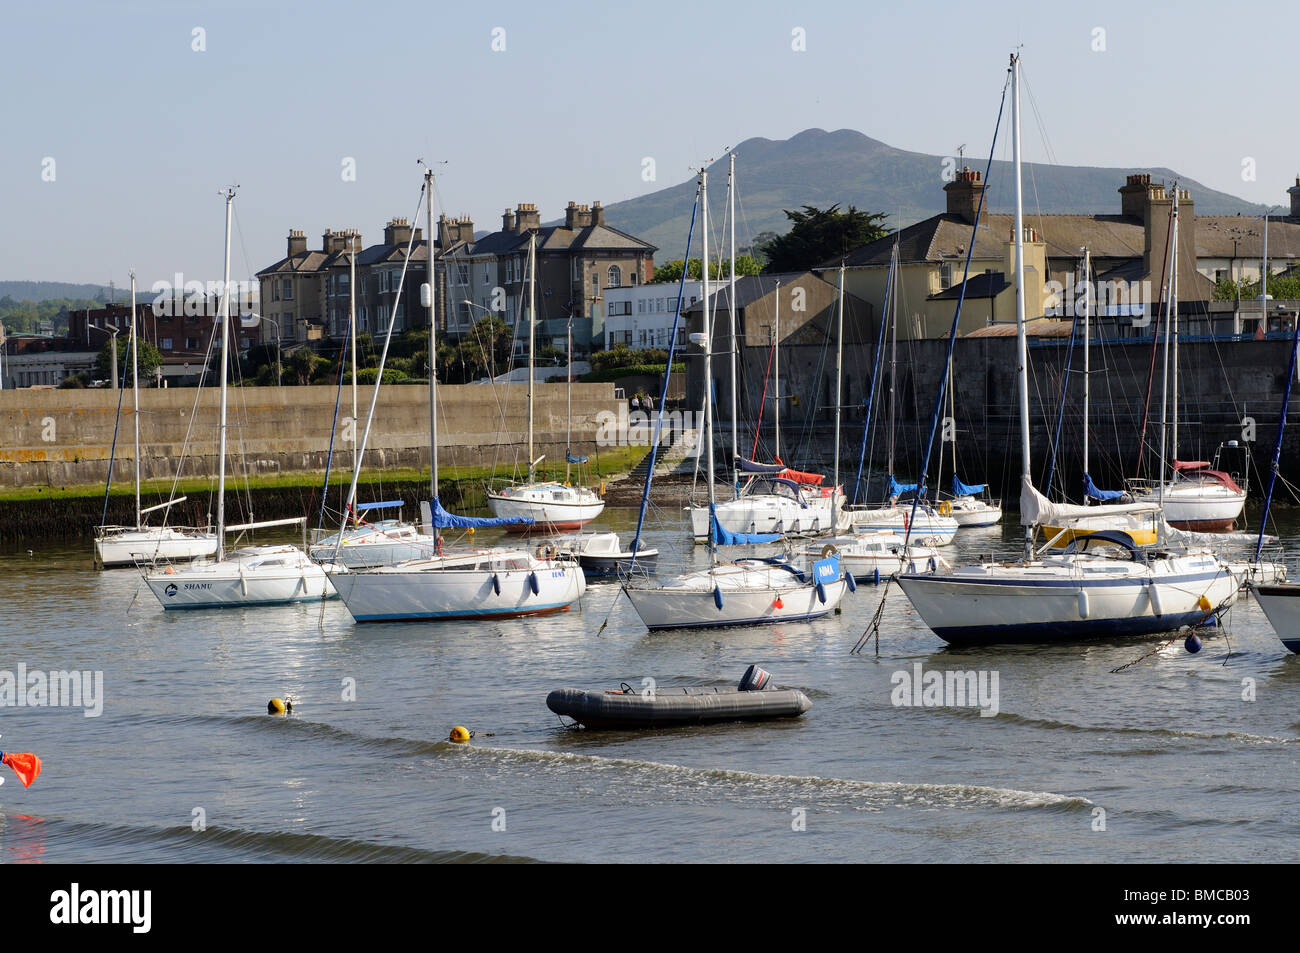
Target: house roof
[749, 288]
[557, 238]
[1034, 328]
[985, 285]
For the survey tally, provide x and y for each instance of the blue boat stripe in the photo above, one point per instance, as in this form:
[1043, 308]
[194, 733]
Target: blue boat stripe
[1067, 583]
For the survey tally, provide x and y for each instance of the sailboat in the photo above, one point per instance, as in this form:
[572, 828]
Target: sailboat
[774, 498]
[746, 591]
[138, 544]
[1279, 600]
[550, 505]
[966, 506]
[1142, 521]
[252, 575]
[367, 542]
[460, 583]
[866, 556]
[1197, 496]
[1101, 585]
[931, 527]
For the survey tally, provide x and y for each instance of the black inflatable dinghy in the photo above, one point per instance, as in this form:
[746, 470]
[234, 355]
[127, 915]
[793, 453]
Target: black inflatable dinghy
[751, 700]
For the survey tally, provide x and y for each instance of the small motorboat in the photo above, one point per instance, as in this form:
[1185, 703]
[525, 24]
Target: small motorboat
[752, 700]
[601, 554]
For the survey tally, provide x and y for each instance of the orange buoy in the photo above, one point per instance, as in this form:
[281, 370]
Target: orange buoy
[778, 604]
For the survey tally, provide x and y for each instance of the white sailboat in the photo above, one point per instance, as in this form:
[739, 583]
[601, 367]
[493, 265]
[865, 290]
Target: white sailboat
[773, 498]
[141, 544]
[366, 543]
[932, 528]
[551, 505]
[253, 575]
[1195, 496]
[745, 591]
[459, 584]
[1101, 585]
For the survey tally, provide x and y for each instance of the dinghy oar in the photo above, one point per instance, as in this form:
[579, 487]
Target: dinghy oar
[25, 764]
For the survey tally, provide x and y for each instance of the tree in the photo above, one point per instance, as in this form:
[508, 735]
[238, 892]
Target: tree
[1280, 287]
[486, 349]
[148, 359]
[818, 236]
[672, 270]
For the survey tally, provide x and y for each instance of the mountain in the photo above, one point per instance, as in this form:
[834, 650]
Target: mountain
[822, 168]
[44, 290]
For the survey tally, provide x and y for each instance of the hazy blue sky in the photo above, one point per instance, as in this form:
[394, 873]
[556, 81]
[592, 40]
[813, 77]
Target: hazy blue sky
[144, 130]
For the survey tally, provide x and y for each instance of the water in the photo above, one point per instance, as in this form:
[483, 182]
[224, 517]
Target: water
[1183, 768]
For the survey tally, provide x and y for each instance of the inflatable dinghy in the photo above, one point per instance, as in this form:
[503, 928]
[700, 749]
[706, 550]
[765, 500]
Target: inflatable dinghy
[751, 700]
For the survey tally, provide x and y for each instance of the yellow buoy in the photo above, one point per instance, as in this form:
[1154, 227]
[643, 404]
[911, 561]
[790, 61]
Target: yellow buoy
[470, 530]
[1203, 604]
[459, 735]
[278, 706]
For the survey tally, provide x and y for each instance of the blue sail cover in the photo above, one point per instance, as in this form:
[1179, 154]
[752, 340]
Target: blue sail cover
[722, 537]
[570, 458]
[898, 489]
[962, 489]
[444, 520]
[1090, 490]
[749, 466]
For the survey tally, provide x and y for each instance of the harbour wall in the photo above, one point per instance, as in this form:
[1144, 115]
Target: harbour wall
[66, 437]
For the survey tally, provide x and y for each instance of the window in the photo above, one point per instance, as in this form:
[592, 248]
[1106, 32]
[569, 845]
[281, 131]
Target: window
[610, 346]
[288, 289]
[627, 337]
[615, 277]
[1220, 274]
[383, 281]
[659, 304]
[640, 307]
[633, 276]
[486, 269]
[595, 286]
[462, 274]
[945, 275]
[191, 344]
[577, 269]
[165, 344]
[275, 291]
[643, 338]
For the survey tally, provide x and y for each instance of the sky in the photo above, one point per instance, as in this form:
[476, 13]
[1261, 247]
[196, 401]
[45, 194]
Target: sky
[123, 119]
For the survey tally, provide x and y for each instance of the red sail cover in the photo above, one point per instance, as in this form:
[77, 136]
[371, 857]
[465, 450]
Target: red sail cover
[25, 764]
[811, 479]
[1197, 470]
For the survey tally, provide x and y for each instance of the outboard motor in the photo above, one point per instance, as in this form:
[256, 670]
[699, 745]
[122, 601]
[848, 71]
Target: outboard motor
[754, 679]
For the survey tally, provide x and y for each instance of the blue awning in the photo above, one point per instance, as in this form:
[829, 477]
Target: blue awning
[962, 489]
[570, 458]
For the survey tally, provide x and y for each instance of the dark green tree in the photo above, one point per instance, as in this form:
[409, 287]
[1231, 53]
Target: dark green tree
[820, 235]
[149, 361]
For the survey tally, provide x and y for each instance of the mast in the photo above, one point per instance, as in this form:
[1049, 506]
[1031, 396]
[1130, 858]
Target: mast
[352, 332]
[1087, 311]
[731, 314]
[433, 342]
[568, 399]
[225, 342]
[893, 371]
[1022, 348]
[1173, 314]
[839, 393]
[532, 337]
[708, 363]
[1164, 379]
[776, 370]
[135, 400]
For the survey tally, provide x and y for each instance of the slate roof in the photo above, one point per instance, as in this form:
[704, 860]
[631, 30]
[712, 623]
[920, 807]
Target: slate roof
[984, 285]
[557, 238]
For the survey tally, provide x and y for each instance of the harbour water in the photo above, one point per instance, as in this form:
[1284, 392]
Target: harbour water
[1177, 758]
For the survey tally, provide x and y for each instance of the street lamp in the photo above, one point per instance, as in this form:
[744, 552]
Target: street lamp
[256, 318]
[113, 331]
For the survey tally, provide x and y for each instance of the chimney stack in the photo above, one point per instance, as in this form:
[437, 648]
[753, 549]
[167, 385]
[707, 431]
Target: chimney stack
[508, 221]
[527, 217]
[597, 214]
[1294, 192]
[1133, 196]
[398, 232]
[964, 193]
[298, 241]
